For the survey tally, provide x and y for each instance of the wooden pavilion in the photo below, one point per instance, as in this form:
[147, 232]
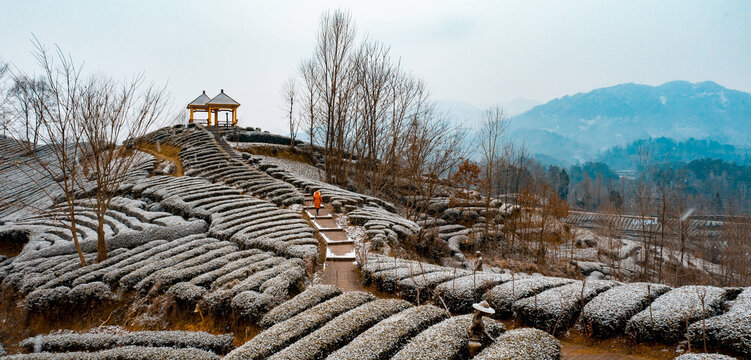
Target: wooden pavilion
[220, 103]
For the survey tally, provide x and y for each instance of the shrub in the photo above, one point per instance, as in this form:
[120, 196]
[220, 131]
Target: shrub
[286, 332]
[385, 338]
[312, 296]
[556, 309]
[523, 344]
[502, 297]
[341, 330]
[667, 318]
[446, 340]
[607, 313]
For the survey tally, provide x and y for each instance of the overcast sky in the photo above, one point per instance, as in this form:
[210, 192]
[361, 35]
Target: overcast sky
[479, 52]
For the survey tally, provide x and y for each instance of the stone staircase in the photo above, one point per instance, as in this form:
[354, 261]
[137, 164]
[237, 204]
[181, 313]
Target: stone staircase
[340, 268]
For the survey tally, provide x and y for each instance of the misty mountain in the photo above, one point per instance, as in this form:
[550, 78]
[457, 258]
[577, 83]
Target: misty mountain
[621, 114]
[624, 113]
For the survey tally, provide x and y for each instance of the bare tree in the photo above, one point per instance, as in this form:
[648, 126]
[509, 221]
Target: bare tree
[22, 92]
[333, 50]
[113, 113]
[309, 72]
[56, 110]
[432, 148]
[289, 95]
[644, 205]
[5, 111]
[491, 135]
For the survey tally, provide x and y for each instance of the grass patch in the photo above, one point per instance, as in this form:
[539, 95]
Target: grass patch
[279, 151]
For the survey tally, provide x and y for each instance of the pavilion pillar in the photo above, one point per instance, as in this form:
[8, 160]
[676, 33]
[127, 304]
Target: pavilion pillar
[191, 115]
[234, 117]
[209, 121]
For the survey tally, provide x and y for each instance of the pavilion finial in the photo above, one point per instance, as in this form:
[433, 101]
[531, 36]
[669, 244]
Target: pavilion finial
[222, 91]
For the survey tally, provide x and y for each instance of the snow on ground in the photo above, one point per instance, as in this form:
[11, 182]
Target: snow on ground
[305, 170]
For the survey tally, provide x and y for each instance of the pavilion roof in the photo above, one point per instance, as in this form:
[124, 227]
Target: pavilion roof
[201, 100]
[222, 99]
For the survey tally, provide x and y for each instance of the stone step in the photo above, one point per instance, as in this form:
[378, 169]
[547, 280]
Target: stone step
[322, 213]
[336, 237]
[341, 257]
[340, 250]
[326, 224]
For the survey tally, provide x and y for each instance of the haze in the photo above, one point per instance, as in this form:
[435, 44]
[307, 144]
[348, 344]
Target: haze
[479, 52]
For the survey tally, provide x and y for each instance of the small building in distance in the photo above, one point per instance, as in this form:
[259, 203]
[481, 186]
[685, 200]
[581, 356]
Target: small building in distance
[213, 108]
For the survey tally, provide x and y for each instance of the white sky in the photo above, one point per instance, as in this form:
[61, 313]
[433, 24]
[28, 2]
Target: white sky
[480, 52]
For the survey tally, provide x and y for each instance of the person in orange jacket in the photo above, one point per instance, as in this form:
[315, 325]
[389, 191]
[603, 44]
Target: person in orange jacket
[317, 201]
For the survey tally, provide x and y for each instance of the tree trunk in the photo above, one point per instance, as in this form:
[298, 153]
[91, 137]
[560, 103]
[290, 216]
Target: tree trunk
[101, 245]
[75, 239]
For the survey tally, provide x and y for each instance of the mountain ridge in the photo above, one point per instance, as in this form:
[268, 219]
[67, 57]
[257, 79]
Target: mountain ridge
[624, 113]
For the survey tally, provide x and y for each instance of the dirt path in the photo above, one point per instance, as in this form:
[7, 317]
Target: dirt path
[166, 153]
[339, 268]
[572, 351]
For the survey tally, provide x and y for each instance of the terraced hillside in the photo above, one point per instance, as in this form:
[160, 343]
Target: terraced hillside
[226, 247]
[642, 311]
[22, 179]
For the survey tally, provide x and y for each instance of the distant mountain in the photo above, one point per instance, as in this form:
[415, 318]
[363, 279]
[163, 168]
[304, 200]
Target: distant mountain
[621, 114]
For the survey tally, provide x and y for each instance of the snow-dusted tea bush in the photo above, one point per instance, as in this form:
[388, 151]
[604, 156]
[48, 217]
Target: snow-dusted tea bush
[385, 338]
[377, 263]
[341, 330]
[523, 344]
[704, 357]
[134, 279]
[245, 220]
[127, 225]
[730, 331]
[386, 280]
[502, 297]
[198, 266]
[606, 315]
[253, 300]
[93, 291]
[17, 171]
[312, 296]
[124, 353]
[341, 199]
[459, 294]
[288, 331]
[220, 344]
[667, 318]
[376, 220]
[555, 309]
[446, 340]
[423, 284]
[47, 299]
[191, 269]
[202, 156]
[245, 258]
[186, 293]
[173, 269]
